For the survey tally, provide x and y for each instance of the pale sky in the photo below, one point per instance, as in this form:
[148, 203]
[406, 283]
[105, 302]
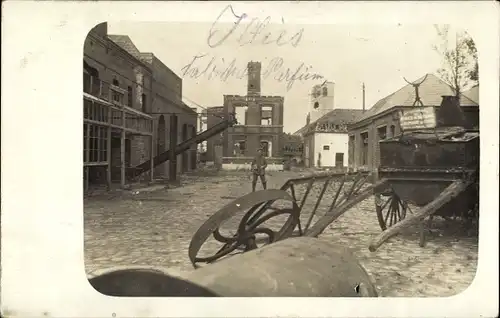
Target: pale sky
[378, 55]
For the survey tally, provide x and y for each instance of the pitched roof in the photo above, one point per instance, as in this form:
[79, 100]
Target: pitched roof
[147, 57]
[430, 91]
[126, 43]
[473, 93]
[335, 117]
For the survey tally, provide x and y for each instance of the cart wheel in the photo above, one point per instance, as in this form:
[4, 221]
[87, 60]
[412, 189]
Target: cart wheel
[390, 209]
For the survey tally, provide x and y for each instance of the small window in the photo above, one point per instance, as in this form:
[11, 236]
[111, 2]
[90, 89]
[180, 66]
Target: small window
[382, 133]
[326, 147]
[325, 91]
[393, 131]
[316, 105]
[115, 82]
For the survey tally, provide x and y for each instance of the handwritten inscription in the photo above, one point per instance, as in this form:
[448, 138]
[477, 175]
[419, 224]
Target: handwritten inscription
[255, 32]
[213, 67]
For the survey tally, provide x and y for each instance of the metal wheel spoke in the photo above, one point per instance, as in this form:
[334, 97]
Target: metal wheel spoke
[388, 212]
[386, 202]
[223, 251]
[223, 239]
[398, 211]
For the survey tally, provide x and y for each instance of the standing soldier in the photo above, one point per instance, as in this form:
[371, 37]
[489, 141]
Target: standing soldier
[259, 166]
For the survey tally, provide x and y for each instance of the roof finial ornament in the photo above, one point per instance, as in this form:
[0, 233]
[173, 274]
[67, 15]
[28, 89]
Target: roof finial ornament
[417, 101]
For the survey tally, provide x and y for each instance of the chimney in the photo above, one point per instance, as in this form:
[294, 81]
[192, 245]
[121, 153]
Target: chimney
[450, 113]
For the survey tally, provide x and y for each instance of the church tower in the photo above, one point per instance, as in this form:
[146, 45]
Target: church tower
[322, 100]
[253, 87]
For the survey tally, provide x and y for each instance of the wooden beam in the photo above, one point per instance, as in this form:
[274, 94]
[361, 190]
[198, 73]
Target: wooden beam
[453, 190]
[132, 131]
[172, 172]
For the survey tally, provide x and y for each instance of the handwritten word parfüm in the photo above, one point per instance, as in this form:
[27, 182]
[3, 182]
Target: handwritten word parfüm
[216, 68]
[255, 32]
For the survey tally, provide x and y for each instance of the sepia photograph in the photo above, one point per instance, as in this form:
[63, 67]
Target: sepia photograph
[251, 159]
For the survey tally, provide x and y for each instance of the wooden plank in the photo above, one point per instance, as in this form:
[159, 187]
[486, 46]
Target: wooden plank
[453, 190]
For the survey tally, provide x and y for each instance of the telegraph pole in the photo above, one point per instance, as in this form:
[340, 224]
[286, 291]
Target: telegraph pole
[363, 97]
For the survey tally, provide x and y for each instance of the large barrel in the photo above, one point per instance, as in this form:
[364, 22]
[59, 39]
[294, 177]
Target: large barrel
[294, 267]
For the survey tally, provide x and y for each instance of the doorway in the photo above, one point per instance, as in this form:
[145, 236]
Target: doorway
[185, 156]
[339, 159]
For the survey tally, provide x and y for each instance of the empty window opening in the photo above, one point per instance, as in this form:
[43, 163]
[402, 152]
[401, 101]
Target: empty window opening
[325, 91]
[239, 148]
[115, 82]
[316, 105]
[266, 115]
[382, 132]
[393, 131]
[266, 147]
[364, 148]
[241, 114]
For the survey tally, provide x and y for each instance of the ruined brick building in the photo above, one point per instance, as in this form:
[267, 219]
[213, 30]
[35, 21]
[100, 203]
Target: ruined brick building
[382, 120]
[129, 97]
[260, 125]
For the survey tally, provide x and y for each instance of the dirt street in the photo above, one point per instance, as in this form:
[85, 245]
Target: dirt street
[155, 228]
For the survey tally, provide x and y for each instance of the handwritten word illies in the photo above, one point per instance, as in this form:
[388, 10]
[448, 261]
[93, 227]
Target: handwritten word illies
[213, 67]
[254, 33]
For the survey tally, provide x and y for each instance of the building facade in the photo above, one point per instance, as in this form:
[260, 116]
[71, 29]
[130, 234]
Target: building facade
[293, 150]
[326, 140]
[260, 125]
[214, 115]
[382, 120]
[325, 132]
[122, 124]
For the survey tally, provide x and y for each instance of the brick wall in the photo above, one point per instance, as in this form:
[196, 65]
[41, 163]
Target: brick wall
[371, 128]
[151, 83]
[263, 133]
[114, 63]
[167, 100]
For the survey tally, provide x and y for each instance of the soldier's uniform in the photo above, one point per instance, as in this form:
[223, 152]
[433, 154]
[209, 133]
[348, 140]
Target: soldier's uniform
[259, 165]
